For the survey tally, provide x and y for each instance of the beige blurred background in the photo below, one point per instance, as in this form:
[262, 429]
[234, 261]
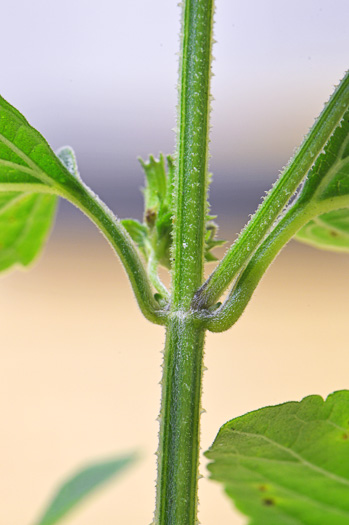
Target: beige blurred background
[80, 369]
[79, 365]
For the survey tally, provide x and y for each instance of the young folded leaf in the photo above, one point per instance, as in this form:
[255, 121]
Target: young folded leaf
[154, 236]
[288, 464]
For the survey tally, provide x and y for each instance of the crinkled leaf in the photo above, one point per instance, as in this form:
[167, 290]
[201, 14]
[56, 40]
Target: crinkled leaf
[80, 486]
[210, 240]
[288, 464]
[326, 187]
[158, 213]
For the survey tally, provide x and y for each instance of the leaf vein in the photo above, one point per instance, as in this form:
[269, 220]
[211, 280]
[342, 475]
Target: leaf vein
[297, 456]
[299, 495]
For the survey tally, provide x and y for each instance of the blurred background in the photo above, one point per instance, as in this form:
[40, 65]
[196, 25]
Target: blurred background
[79, 365]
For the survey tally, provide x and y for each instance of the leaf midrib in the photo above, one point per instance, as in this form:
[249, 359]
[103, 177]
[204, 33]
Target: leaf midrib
[297, 456]
[35, 168]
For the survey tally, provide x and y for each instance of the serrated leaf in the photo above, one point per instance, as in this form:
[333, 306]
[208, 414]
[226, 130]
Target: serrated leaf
[288, 464]
[156, 183]
[158, 213]
[79, 486]
[327, 187]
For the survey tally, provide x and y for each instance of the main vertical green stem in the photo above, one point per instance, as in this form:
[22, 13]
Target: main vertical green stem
[178, 454]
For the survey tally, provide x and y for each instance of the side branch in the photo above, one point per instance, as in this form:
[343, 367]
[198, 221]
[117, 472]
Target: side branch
[261, 223]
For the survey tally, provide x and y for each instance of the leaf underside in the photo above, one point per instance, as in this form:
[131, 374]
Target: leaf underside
[288, 464]
[329, 231]
[80, 486]
[328, 183]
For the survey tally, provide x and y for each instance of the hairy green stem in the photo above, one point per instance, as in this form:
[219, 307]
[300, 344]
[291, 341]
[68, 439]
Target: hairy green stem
[239, 297]
[261, 223]
[190, 184]
[178, 453]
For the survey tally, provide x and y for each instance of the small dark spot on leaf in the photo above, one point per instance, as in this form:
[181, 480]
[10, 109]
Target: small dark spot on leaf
[268, 502]
[345, 436]
[262, 488]
[333, 233]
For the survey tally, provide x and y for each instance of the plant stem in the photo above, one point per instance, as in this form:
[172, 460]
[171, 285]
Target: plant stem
[178, 453]
[190, 184]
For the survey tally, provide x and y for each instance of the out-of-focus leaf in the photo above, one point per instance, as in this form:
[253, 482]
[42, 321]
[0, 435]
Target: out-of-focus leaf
[327, 187]
[137, 231]
[25, 221]
[329, 231]
[288, 464]
[79, 486]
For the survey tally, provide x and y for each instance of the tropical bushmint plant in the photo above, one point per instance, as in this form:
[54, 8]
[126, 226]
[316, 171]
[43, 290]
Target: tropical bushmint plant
[287, 464]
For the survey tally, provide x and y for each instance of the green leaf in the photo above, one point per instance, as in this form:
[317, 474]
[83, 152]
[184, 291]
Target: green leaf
[329, 231]
[25, 222]
[28, 165]
[80, 485]
[158, 214]
[29, 170]
[26, 160]
[288, 464]
[327, 190]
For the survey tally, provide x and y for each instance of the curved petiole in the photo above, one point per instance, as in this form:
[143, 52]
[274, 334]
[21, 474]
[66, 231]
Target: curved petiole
[123, 245]
[231, 310]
